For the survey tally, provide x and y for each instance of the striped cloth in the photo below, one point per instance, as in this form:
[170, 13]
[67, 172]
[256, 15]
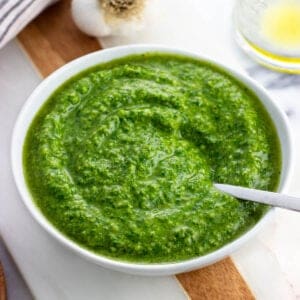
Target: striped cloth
[15, 14]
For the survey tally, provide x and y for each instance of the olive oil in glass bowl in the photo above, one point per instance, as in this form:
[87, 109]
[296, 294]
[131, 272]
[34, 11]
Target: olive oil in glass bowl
[269, 31]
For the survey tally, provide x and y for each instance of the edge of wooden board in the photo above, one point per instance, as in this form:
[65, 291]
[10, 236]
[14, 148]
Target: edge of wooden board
[2, 284]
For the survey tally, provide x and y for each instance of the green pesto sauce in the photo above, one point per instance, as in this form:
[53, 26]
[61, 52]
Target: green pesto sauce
[122, 157]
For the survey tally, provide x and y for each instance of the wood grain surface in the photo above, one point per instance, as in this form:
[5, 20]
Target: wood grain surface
[52, 40]
[2, 284]
[217, 281]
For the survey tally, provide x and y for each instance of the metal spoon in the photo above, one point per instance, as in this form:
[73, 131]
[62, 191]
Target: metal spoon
[271, 198]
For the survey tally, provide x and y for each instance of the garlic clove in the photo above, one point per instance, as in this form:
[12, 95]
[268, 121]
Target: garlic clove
[102, 18]
[87, 15]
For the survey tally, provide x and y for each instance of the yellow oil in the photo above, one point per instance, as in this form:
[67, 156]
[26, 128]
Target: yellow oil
[280, 24]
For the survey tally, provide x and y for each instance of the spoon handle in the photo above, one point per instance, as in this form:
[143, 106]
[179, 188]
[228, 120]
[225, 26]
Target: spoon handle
[271, 198]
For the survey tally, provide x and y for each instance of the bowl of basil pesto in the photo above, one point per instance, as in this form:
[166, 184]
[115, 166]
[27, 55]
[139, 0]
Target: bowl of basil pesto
[115, 154]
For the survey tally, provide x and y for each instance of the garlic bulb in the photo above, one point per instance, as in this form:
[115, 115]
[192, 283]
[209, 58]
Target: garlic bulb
[102, 18]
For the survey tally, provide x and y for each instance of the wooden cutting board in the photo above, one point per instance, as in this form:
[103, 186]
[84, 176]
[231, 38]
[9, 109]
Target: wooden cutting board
[52, 40]
[2, 284]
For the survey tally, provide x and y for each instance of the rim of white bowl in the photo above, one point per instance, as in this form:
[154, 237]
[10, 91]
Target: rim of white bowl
[52, 82]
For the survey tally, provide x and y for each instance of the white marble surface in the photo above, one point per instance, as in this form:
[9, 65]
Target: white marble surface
[270, 263]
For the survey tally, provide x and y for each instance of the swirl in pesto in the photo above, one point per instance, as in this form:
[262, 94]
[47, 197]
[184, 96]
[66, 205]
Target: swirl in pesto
[122, 157]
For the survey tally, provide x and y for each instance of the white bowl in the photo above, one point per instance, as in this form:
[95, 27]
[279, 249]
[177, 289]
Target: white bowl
[45, 89]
